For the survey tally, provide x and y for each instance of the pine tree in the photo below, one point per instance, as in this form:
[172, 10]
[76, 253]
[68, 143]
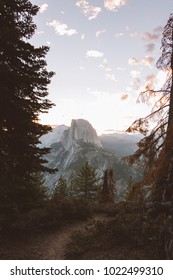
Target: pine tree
[23, 90]
[86, 180]
[72, 186]
[156, 148]
[61, 188]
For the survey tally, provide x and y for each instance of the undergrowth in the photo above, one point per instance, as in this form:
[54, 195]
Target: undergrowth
[127, 232]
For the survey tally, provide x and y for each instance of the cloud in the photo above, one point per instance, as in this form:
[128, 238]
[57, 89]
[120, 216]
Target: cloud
[99, 32]
[83, 36]
[156, 81]
[108, 70]
[133, 34]
[135, 74]
[134, 61]
[136, 80]
[104, 65]
[114, 5]
[61, 28]
[43, 8]
[48, 43]
[117, 35]
[95, 54]
[147, 60]
[150, 81]
[136, 84]
[150, 37]
[150, 47]
[124, 96]
[110, 76]
[89, 11]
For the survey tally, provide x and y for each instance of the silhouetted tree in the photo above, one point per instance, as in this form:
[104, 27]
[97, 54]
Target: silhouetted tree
[108, 190]
[23, 97]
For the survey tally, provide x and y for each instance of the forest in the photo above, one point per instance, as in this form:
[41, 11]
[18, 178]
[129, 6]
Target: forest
[33, 221]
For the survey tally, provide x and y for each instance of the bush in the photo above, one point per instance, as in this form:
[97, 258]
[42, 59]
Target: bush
[105, 208]
[83, 209]
[52, 213]
[127, 227]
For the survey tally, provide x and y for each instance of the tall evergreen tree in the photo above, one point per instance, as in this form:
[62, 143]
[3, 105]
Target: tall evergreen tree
[72, 186]
[86, 181]
[61, 188]
[24, 79]
[156, 148]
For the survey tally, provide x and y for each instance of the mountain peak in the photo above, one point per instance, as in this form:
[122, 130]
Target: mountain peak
[53, 136]
[81, 129]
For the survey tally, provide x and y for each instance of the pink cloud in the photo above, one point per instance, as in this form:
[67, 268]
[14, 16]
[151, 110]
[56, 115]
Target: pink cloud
[147, 60]
[124, 96]
[133, 61]
[151, 37]
[150, 81]
[88, 10]
[114, 5]
[154, 36]
[133, 34]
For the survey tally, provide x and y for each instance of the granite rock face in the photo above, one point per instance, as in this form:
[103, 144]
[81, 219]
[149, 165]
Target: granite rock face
[72, 146]
[82, 130]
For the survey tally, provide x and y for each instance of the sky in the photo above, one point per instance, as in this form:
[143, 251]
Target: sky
[104, 53]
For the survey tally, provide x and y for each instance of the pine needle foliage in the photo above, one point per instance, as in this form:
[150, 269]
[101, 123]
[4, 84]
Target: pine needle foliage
[24, 81]
[86, 180]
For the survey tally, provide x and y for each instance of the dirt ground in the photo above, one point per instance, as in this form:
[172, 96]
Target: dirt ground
[53, 245]
[49, 245]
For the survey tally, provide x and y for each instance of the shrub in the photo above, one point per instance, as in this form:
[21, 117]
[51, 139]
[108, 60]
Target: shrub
[83, 209]
[128, 227]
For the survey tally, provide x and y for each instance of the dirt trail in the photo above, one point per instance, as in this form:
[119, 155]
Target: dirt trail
[54, 245]
[45, 246]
